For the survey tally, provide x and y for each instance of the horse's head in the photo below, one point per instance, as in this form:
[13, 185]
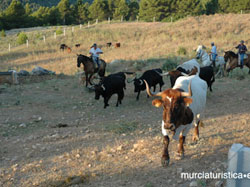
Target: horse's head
[199, 51]
[231, 59]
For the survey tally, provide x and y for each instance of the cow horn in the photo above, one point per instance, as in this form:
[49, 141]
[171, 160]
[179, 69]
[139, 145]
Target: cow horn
[150, 93]
[189, 93]
[162, 74]
[184, 74]
[103, 87]
[141, 82]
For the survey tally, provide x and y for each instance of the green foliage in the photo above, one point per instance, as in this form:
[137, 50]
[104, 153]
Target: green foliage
[122, 10]
[124, 127]
[182, 51]
[99, 10]
[21, 39]
[3, 33]
[169, 65]
[59, 31]
[133, 10]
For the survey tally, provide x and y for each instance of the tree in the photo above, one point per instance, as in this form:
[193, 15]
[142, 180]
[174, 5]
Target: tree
[122, 10]
[133, 10]
[83, 12]
[159, 9]
[189, 7]
[54, 17]
[3, 33]
[15, 15]
[64, 9]
[209, 6]
[21, 39]
[99, 10]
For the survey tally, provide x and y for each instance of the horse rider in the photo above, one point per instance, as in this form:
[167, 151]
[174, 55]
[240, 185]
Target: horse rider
[241, 52]
[213, 53]
[95, 53]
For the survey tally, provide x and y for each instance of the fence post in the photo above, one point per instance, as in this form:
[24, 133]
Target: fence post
[64, 31]
[171, 19]
[109, 20]
[241, 12]
[44, 38]
[73, 29]
[88, 24]
[137, 18]
[122, 19]
[154, 19]
[96, 21]
[27, 43]
[55, 35]
[9, 47]
[80, 26]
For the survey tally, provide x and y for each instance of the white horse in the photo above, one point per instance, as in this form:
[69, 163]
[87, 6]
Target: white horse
[206, 61]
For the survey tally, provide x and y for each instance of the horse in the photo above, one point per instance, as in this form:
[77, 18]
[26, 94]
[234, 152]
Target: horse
[89, 67]
[206, 61]
[232, 61]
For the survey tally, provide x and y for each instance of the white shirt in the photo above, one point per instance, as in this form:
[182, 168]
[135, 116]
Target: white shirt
[213, 50]
[95, 51]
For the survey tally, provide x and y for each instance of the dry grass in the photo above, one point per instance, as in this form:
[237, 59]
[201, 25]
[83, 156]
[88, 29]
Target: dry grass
[138, 41]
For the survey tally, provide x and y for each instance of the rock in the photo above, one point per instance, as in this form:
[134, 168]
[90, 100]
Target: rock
[23, 73]
[179, 170]
[30, 137]
[23, 125]
[119, 148]
[219, 184]
[193, 184]
[34, 147]
[38, 119]
[74, 107]
[41, 71]
[78, 155]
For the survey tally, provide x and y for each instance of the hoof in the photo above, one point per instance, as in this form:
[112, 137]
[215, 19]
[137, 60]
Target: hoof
[164, 162]
[179, 156]
[195, 138]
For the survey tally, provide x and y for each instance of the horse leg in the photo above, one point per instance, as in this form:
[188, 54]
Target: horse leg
[90, 79]
[87, 79]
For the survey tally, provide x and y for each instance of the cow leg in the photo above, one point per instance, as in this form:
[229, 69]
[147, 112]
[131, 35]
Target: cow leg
[120, 97]
[106, 100]
[196, 132]
[181, 146]
[90, 79]
[137, 98]
[165, 155]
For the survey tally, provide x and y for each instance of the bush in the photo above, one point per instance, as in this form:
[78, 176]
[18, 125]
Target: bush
[3, 33]
[169, 65]
[59, 31]
[21, 39]
[182, 51]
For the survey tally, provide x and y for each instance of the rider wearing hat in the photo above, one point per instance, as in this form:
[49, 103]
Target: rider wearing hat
[95, 53]
[241, 51]
[213, 53]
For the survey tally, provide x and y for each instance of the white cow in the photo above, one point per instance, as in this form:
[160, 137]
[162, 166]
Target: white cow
[182, 107]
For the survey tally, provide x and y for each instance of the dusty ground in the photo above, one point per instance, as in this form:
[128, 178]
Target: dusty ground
[109, 147]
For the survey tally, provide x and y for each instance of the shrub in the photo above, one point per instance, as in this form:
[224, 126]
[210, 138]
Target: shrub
[59, 31]
[169, 65]
[21, 39]
[3, 33]
[182, 51]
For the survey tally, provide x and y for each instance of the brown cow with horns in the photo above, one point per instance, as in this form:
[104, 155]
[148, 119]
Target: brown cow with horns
[182, 106]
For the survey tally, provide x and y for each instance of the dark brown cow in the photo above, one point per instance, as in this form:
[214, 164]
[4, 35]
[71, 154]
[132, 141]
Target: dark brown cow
[69, 50]
[109, 44]
[180, 111]
[77, 45]
[117, 45]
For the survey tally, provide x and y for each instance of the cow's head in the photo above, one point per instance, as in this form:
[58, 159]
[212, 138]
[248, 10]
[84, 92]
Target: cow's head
[139, 84]
[175, 106]
[99, 90]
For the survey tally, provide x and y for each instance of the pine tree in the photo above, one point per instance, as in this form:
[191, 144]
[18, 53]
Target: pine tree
[64, 9]
[133, 9]
[15, 15]
[122, 10]
[99, 10]
[83, 12]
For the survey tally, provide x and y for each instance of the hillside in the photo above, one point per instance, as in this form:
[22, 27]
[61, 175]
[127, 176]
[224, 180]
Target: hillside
[139, 41]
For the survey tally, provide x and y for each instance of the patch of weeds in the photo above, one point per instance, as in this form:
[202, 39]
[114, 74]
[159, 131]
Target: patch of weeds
[148, 184]
[169, 65]
[182, 51]
[123, 127]
[202, 183]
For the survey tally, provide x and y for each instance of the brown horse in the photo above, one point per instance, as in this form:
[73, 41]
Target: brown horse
[232, 61]
[89, 67]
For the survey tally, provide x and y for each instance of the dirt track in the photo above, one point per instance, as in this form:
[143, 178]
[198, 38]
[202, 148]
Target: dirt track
[112, 147]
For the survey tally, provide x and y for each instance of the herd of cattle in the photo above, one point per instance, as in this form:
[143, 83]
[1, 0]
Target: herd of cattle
[182, 104]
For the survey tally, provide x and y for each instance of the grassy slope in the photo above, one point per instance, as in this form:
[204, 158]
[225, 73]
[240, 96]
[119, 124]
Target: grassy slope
[138, 41]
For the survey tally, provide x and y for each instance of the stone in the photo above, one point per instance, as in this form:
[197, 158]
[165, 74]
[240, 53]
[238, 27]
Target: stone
[23, 125]
[219, 184]
[119, 148]
[193, 184]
